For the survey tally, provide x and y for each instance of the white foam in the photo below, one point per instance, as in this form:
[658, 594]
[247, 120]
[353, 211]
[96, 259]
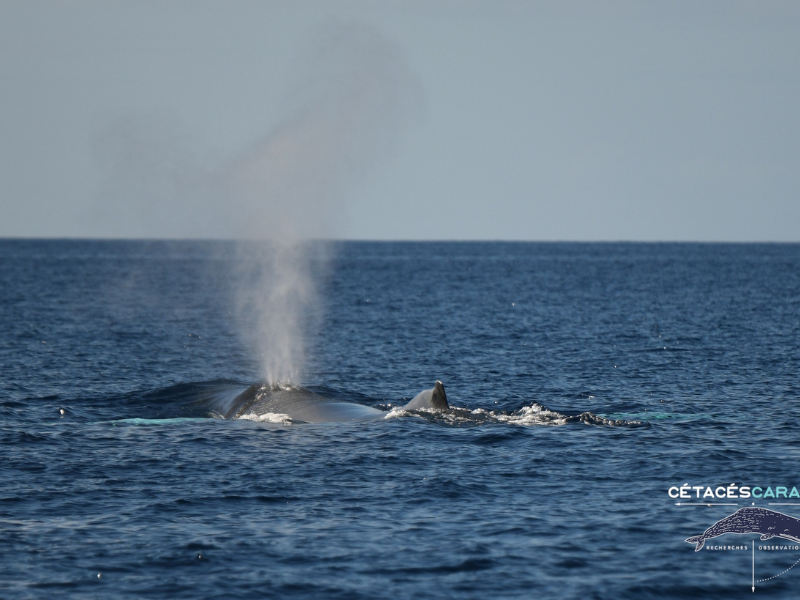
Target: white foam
[535, 414]
[268, 418]
[396, 413]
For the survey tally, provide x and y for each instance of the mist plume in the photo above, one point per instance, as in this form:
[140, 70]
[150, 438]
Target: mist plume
[349, 96]
[349, 102]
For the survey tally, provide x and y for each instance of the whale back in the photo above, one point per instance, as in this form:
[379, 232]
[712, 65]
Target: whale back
[299, 404]
[226, 401]
[433, 398]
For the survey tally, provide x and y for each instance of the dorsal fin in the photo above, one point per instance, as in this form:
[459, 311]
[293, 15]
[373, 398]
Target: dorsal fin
[439, 398]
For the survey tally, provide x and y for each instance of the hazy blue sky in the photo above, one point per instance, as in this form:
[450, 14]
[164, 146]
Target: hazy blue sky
[401, 120]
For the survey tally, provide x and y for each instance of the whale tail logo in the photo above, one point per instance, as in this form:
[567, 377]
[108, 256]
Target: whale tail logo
[697, 539]
[748, 520]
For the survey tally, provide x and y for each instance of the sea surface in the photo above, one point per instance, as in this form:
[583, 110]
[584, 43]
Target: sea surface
[588, 380]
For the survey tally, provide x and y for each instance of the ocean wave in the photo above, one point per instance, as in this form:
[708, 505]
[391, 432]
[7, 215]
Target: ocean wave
[533, 415]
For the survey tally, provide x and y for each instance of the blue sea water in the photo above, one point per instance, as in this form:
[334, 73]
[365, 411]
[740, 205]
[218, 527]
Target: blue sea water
[686, 355]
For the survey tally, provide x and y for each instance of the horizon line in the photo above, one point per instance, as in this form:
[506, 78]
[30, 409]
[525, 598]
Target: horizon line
[394, 240]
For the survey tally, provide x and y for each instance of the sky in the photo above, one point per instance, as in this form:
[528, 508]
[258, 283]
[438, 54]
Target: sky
[413, 120]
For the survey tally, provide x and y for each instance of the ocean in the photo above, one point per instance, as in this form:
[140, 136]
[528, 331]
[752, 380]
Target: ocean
[609, 401]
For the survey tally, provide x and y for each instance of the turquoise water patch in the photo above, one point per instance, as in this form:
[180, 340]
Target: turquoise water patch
[656, 416]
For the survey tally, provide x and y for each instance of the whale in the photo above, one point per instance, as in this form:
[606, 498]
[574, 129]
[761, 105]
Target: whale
[302, 405]
[768, 523]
